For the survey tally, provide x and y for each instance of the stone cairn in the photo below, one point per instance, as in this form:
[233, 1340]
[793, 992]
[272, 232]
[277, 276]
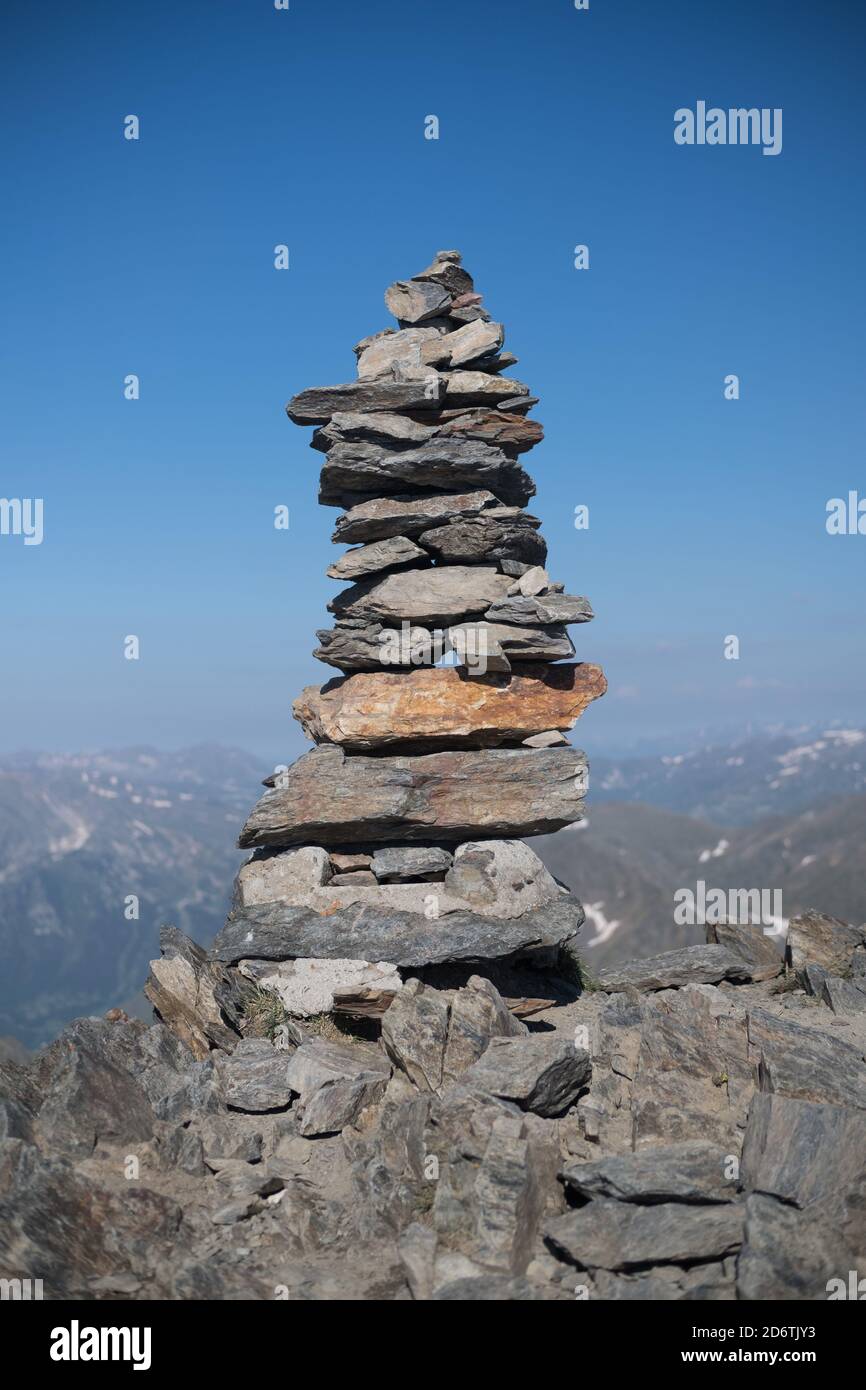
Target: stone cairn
[395, 847]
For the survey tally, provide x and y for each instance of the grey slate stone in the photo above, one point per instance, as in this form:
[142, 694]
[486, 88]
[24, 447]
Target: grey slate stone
[330, 798]
[622, 1235]
[540, 1072]
[443, 464]
[409, 940]
[673, 969]
[540, 609]
[401, 863]
[693, 1171]
[255, 1077]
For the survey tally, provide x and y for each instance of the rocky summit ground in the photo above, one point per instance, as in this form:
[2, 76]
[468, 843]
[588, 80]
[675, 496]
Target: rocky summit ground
[693, 1127]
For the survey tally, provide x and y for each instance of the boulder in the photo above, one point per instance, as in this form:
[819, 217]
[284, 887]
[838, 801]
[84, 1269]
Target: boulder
[805, 1063]
[464, 345]
[515, 434]
[478, 388]
[415, 1033]
[760, 952]
[288, 875]
[389, 349]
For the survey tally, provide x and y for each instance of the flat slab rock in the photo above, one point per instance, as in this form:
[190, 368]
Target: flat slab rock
[620, 1235]
[446, 706]
[443, 464]
[693, 965]
[440, 596]
[375, 557]
[687, 1172]
[319, 403]
[382, 517]
[504, 793]
[271, 931]
[503, 533]
[374, 646]
[540, 609]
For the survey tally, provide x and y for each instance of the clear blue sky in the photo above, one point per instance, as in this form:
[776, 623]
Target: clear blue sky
[305, 126]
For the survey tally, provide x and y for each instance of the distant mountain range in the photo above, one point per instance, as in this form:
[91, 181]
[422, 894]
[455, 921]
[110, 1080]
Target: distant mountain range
[82, 835]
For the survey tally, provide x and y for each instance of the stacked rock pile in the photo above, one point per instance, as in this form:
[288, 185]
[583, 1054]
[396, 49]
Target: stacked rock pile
[396, 843]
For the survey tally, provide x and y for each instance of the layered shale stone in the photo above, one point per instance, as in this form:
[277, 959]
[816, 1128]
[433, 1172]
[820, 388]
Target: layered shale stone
[816, 939]
[443, 465]
[806, 1063]
[329, 798]
[699, 965]
[619, 1235]
[694, 1172]
[382, 427]
[405, 862]
[317, 405]
[513, 433]
[413, 301]
[503, 533]
[403, 348]
[334, 1082]
[182, 986]
[447, 271]
[477, 388]
[445, 706]
[371, 559]
[360, 646]
[439, 596]
[408, 516]
[541, 1073]
[255, 1077]
[760, 953]
[550, 608]
[273, 931]
[465, 345]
